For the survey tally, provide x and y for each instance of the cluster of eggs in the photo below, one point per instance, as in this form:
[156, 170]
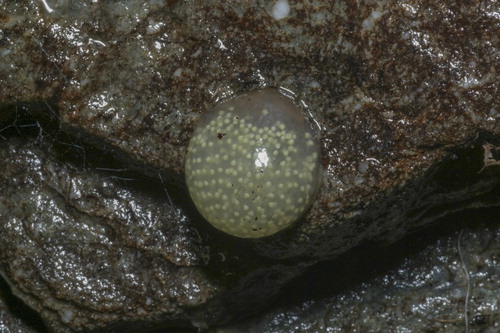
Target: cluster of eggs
[253, 164]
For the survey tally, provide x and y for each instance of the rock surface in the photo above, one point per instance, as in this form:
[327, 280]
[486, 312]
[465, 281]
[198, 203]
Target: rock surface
[445, 283]
[403, 96]
[85, 251]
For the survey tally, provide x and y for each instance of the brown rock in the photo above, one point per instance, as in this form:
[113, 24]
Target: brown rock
[403, 95]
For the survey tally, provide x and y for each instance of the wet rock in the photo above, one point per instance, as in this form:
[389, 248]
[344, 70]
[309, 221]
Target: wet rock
[447, 283]
[391, 87]
[403, 96]
[87, 252]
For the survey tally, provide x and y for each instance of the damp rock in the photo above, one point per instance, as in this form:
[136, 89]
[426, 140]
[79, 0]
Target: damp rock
[404, 95]
[445, 283]
[88, 252]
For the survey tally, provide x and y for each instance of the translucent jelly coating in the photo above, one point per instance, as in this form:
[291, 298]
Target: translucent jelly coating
[253, 164]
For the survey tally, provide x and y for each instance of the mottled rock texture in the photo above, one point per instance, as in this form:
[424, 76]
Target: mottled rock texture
[86, 251]
[403, 95]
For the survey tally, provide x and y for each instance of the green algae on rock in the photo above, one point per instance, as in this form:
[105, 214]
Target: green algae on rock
[253, 164]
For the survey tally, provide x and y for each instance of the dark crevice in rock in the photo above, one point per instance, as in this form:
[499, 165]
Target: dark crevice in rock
[38, 122]
[374, 259]
[27, 315]
[457, 182]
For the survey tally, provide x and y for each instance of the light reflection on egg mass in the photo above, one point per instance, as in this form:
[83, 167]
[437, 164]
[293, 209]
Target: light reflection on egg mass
[253, 164]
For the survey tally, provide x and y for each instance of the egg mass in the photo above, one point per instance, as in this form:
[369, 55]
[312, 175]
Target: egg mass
[253, 164]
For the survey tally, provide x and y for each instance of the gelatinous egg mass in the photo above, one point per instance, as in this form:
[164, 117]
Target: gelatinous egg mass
[253, 164]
